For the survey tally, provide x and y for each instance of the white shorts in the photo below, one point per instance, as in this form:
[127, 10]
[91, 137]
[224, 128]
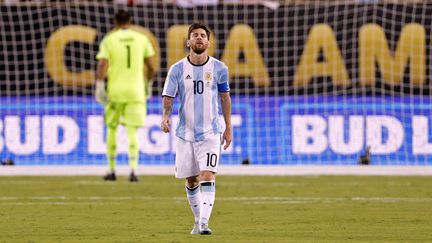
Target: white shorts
[193, 157]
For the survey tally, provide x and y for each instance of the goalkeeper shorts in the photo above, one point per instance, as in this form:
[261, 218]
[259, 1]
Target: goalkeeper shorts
[131, 114]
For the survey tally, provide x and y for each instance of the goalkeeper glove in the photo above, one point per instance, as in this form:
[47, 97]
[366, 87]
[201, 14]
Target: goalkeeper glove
[100, 93]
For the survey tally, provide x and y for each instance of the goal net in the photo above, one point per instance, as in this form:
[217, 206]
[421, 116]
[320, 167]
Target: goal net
[311, 83]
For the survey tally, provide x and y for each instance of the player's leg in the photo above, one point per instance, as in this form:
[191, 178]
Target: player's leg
[187, 168]
[208, 153]
[133, 117]
[133, 152]
[112, 115]
[193, 194]
[208, 193]
[111, 147]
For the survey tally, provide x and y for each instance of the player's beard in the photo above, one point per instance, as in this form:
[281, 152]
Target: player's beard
[198, 50]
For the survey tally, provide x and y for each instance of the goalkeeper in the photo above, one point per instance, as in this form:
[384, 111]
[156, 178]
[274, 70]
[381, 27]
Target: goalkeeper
[126, 58]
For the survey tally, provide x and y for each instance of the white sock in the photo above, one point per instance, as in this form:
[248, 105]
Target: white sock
[208, 192]
[194, 198]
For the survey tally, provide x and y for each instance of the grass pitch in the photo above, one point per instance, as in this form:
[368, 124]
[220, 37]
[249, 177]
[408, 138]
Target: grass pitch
[247, 209]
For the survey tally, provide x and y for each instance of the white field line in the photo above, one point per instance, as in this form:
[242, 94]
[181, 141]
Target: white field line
[262, 184]
[264, 170]
[63, 200]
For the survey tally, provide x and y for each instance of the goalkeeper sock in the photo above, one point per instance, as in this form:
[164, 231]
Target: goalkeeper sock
[133, 152]
[111, 147]
[194, 198]
[208, 192]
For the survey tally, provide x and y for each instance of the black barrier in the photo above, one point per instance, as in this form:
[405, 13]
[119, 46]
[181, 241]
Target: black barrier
[281, 36]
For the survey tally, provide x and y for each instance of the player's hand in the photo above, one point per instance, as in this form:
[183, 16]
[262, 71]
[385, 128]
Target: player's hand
[165, 125]
[100, 92]
[226, 138]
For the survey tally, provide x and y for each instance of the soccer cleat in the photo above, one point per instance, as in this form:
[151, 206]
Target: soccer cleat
[195, 230]
[205, 230]
[110, 177]
[133, 177]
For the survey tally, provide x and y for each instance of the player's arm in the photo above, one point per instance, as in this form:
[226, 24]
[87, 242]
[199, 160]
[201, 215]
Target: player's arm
[226, 111]
[149, 73]
[167, 104]
[168, 93]
[101, 71]
[150, 64]
[223, 88]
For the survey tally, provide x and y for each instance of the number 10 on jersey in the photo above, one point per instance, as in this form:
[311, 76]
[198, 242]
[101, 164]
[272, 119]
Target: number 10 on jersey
[198, 86]
[212, 159]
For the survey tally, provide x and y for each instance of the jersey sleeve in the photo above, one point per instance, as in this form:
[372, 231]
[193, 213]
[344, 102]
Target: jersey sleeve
[222, 83]
[148, 49]
[103, 50]
[171, 82]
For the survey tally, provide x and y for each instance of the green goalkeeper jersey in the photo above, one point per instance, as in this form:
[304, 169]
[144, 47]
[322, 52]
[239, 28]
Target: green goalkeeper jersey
[125, 50]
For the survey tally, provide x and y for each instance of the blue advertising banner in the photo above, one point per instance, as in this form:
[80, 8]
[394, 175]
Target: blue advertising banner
[267, 130]
[71, 131]
[337, 130]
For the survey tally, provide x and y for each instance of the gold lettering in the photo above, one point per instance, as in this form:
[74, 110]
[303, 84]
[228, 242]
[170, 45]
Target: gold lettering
[321, 38]
[242, 39]
[373, 48]
[54, 55]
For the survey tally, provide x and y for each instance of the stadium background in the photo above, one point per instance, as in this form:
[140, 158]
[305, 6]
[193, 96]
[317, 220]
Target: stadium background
[48, 116]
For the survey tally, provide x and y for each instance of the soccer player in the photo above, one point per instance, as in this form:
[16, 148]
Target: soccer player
[123, 54]
[198, 79]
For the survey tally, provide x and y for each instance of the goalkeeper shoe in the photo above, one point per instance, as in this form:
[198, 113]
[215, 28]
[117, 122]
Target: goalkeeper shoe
[196, 229]
[110, 176]
[205, 230]
[133, 177]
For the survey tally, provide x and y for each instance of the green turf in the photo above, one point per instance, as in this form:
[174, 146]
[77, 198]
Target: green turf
[247, 209]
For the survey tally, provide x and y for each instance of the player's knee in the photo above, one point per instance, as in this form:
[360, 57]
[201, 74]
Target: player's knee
[207, 175]
[192, 181]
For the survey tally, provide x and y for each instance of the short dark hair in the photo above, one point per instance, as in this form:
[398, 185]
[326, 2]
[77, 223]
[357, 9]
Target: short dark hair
[203, 26]
[122, 17]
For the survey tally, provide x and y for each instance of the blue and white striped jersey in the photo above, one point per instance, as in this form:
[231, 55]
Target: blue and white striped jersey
[198, 87]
